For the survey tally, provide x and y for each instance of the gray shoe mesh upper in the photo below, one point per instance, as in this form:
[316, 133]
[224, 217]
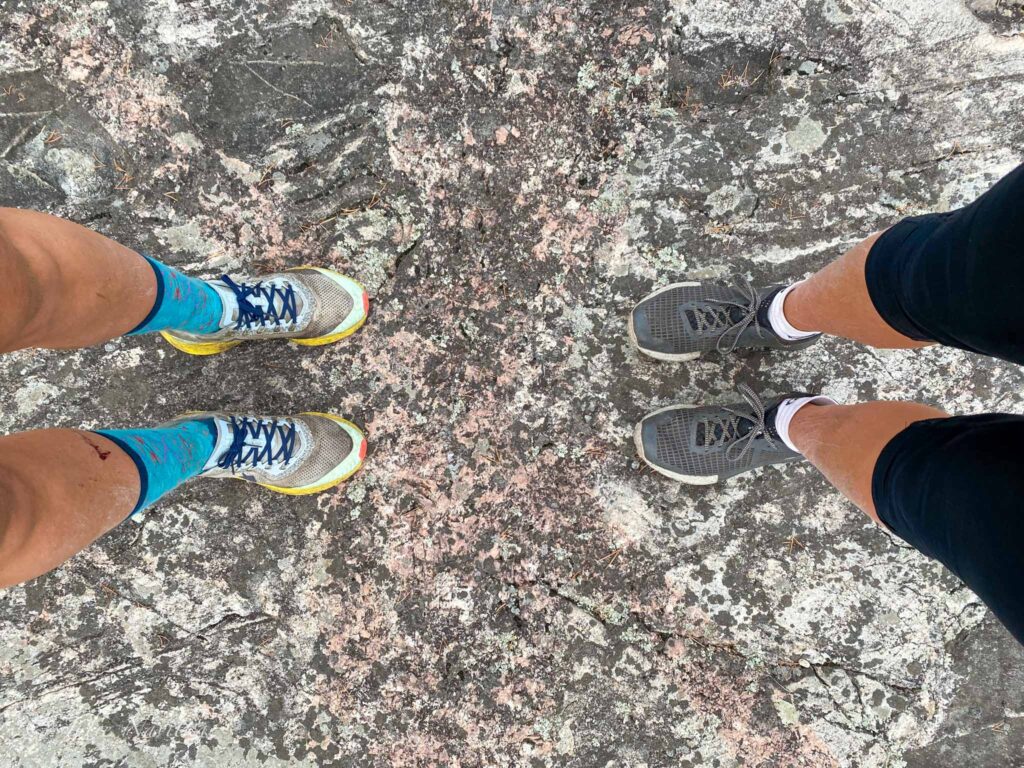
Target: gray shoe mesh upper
[330, 445]
[331, 303]
[690, 319]
[666, 322]
[680, 449]
[713, 441]
[673, 440]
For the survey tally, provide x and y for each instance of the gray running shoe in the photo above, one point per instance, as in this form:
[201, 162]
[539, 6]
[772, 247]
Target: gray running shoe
[701, 445]
[683, 320]
[310, 306]
[296, 455]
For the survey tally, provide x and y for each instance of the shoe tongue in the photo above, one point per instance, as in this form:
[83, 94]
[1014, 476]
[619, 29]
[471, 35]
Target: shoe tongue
[769, 421]
[229, 301]
[764, 306]
[226, 435]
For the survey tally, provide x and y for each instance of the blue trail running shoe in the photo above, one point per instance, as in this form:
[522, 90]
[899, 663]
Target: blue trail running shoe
[310, 306]
[297, 455]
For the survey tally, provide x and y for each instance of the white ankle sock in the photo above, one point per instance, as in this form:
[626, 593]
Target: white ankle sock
[787, 410]
[777, 317]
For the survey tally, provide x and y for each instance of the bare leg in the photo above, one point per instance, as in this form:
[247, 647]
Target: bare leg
[835, 300]
[61, 489]
[46, 518]
[844, 441]
[67, 286]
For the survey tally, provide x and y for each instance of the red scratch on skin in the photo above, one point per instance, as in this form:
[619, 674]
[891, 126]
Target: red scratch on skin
[99, 451]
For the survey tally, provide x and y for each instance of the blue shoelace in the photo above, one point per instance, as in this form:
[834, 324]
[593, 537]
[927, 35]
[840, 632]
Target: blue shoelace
[242, 452]
[249, 314]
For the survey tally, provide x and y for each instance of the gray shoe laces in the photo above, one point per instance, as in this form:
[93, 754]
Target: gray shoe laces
[712, 320]
[730, 427]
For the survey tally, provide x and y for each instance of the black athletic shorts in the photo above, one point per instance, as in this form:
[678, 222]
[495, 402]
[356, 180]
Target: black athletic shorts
[954, 488]
[956, 278]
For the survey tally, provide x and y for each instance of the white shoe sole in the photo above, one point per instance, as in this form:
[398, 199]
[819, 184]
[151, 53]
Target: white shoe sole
[638, 441]
[664, 356]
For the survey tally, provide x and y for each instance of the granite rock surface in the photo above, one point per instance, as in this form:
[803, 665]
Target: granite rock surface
[503, 584]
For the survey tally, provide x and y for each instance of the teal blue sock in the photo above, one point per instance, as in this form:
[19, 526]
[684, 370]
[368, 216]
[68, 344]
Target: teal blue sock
[165, 456]
[182, 303]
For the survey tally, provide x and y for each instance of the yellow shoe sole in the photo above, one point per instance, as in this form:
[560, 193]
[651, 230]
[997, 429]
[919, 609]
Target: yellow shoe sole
[197, 347]
[202, 348]
[321, 341]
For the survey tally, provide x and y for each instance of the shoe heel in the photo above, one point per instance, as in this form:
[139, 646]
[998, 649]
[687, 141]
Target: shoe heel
[198, 348]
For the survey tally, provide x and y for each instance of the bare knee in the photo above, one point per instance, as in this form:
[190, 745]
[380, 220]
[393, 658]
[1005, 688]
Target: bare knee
[17, 521]
[5, 515]
[24, 288]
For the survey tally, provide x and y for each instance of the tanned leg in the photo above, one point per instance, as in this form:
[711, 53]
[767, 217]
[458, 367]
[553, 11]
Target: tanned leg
[67, 286]
[835, 300]
[60, 490]
[844, 441]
